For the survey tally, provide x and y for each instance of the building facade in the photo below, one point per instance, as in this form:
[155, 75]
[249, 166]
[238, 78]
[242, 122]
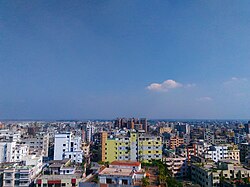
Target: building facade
[135, 147]
[68, 146]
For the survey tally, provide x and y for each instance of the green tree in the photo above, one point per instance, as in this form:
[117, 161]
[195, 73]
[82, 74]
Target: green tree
[145, 181]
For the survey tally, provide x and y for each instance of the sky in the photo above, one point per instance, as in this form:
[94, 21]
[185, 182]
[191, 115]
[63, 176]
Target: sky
[104, 59]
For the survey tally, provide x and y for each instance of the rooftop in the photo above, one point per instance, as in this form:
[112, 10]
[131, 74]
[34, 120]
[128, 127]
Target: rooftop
[125, 163]
[59, 177]
[116, 172]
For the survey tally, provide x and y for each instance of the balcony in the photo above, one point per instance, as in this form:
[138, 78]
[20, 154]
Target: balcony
[24, 177]
[8, 177]
[24, 184]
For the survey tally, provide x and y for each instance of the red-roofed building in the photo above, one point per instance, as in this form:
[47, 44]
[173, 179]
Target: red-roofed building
[122, 172]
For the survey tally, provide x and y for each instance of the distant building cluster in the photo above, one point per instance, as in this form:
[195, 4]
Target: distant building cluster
[125, 152]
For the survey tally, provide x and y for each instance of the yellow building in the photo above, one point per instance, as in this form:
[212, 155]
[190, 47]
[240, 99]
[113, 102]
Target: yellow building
[134, 146]
[234, 153]
[165, 129]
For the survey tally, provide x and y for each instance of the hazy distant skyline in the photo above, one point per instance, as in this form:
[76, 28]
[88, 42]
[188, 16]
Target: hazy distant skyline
[107, 58]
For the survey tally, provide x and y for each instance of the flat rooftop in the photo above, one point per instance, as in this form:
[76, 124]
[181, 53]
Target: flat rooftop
[59, 177]
[125, 163]
[116, 172]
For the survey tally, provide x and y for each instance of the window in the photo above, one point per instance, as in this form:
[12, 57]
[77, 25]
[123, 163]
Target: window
[64, 144]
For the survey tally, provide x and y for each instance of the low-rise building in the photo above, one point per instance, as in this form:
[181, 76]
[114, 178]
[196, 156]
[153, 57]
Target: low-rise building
[22, 174]
[60, 173]
[116, 176]
[208, 174]
[122, 173]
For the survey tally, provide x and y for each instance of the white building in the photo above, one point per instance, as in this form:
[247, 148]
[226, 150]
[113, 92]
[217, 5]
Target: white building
[217, 153]
[89, 131]
[208, 174]
[10, 151]
[21, 152]
[22, 175]
[68, 146]
[39, 143]
[177, 166]
[122, 173]
[9, 135]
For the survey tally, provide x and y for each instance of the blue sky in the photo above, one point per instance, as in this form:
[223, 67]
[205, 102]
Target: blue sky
[106, 59]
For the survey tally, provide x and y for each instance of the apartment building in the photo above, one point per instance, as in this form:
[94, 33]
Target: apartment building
[38, 143]
[22, 174]
[201, 147]
[175, 142]
[244, 151]
[11, 151]
[68, 146]
[209, 174]
[217, 153]
[122, 173]
[209, 137]
[162, 130]
[89, 130]
[234, 153]
[186, 151]
[10, 135]
[134, 146]
[176, 165]
[59, 173]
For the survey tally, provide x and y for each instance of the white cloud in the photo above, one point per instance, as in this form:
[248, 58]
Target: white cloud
[235, 80]
[190, 85]
[165, 86]
[206, 98]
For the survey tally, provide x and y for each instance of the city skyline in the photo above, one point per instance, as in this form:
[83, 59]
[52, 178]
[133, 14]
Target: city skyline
[105, 59]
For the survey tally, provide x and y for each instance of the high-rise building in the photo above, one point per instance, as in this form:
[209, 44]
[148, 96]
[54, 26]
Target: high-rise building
[135, 147]
[209, 137]
[68, 146]
[175, 141]
[89, 130]
[247, 127]
[132, 123]
[183, 128]
[217, 153]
